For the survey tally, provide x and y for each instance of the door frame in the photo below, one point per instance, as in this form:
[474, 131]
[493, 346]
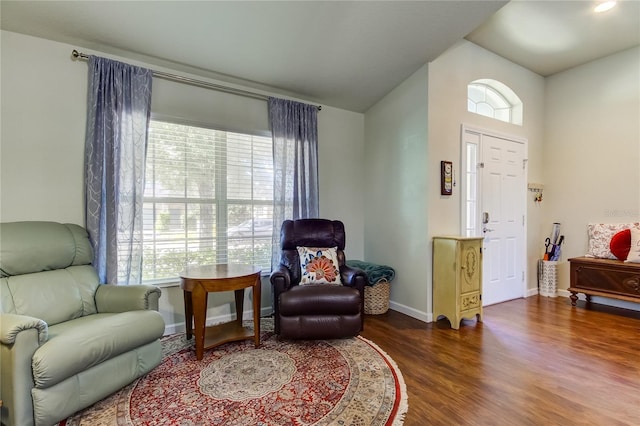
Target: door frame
[464, 128]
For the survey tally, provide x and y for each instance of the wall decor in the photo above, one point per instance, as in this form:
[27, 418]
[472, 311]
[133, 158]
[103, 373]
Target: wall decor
[446, 178]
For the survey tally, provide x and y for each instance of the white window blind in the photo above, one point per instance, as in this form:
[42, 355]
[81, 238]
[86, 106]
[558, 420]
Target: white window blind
[208, 199]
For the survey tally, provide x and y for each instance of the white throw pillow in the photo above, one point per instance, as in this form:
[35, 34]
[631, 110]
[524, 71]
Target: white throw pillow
[319, 265]
[634, 252]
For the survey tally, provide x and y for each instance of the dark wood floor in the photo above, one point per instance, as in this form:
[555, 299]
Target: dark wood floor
[534, 361]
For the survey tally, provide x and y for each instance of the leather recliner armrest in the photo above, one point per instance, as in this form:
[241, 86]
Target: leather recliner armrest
[353, 277]
[280, 279]
[122, 298]
[13, 324]
[21, 336]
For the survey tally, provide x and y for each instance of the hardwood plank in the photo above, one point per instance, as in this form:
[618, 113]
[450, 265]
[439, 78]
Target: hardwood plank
[534, 361]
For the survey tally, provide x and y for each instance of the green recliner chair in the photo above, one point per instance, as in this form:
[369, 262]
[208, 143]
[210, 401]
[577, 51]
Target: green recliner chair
[66, 340]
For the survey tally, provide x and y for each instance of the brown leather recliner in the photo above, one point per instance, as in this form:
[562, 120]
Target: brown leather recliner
[316, 311]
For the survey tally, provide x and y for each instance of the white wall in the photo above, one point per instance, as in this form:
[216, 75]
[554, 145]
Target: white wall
[396, 187]
[43, 112]
[342, 173]
[449, 76]
[43, 125]
[593, 149]
[582, 127]
[407, 134]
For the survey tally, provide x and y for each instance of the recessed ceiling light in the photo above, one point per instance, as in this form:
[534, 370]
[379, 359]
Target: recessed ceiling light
[604, 6]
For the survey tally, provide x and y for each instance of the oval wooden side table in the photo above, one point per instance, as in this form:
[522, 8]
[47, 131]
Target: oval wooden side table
[197, 281]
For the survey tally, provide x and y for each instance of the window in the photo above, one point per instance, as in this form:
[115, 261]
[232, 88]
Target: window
[471, 184]
[208, 199]
[494, 99]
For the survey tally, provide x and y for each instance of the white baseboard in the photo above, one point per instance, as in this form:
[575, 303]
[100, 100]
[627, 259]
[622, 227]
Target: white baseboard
[594, 299]
[246, 316]
[414, 313]
[531, 292]
[267, 311]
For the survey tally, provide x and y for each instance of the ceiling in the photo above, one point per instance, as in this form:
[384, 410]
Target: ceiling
[552, 36]
[340, 53]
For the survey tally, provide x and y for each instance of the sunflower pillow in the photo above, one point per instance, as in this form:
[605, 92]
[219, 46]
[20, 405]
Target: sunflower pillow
[319, 265]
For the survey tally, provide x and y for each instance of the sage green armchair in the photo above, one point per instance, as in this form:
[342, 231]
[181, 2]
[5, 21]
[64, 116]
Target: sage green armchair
[66, 340]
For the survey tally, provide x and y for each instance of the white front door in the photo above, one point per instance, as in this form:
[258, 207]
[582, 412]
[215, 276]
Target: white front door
[502, 196]
[494, 206]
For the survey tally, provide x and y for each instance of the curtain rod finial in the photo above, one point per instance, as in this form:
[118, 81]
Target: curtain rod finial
[78, 55]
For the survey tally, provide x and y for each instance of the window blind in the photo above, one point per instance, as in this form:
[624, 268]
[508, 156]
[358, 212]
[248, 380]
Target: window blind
[208, 199]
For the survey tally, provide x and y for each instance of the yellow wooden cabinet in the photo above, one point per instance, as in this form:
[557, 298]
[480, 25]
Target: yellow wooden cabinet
[457, 278]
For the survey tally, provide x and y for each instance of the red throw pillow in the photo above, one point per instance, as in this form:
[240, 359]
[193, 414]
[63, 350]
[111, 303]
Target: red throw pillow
[621, 244]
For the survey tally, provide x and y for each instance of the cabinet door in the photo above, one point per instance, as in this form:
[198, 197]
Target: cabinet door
[470, 266]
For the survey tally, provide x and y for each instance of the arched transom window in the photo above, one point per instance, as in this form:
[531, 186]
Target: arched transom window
[494, 99]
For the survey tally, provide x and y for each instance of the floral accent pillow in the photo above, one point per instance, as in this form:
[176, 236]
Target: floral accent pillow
[600, 235]
[634, 251]
[319, 265]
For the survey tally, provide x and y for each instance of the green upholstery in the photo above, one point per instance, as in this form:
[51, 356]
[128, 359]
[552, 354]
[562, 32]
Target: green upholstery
[42, 246]
[53, 296]
[66, 340]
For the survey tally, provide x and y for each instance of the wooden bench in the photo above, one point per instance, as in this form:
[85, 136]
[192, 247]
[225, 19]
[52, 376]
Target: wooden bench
[604, 277]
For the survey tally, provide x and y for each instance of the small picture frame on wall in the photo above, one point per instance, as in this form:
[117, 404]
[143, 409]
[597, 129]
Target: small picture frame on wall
[446, 178]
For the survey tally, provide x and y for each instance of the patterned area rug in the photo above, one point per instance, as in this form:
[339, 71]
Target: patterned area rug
[326, 382]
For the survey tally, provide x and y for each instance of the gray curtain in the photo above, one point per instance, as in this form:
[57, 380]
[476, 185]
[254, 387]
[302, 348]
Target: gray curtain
[119, 107]
[294, 127]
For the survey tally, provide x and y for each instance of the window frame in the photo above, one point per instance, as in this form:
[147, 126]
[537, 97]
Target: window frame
[512, 105]
[219, 200]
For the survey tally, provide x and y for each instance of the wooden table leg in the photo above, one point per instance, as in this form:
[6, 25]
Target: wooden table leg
[199, 300]
[239, 305]
[257, 290]
[574, 298]
[188, 314]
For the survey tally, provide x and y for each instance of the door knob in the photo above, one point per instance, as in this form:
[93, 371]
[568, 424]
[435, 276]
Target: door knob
[487, 230]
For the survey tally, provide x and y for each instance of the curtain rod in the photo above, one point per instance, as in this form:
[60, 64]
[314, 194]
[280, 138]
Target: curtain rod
[194, 82]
